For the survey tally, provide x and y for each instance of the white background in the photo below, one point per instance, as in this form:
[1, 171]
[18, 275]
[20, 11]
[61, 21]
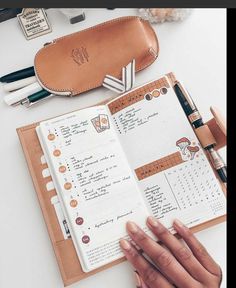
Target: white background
[194, 49]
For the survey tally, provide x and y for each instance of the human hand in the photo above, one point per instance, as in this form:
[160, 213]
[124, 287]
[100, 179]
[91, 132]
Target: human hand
[179, 266]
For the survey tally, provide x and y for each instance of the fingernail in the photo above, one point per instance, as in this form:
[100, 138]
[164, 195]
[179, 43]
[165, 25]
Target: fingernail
[152, 221]
[125, 244]
[132, 227]
[178, 223]
[137, 280]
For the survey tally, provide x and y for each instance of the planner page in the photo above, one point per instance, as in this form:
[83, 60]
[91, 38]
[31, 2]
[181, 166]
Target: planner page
[95, 185]
[171, 168]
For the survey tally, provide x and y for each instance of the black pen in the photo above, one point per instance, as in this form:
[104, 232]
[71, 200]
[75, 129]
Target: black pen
[195, 119]
[17, 75]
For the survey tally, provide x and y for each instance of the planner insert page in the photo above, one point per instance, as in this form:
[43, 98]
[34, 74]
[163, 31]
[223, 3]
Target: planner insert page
[95, 185]
[171, 169]
[135, 156]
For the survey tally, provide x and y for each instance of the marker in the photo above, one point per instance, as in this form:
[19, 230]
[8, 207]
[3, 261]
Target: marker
[17, 75]
[195, 119]
[12, 86]
[15, 98]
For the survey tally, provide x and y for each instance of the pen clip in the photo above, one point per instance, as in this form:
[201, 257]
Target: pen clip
[186, 95]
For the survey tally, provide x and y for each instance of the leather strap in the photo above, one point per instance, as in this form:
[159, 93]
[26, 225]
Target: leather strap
[205, 136]
[217, 126]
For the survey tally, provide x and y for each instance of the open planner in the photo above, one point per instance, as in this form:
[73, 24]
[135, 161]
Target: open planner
[134, 156]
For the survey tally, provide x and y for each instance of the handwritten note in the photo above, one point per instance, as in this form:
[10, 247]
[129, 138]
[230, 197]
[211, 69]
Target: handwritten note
[94, 182]
[132, 118]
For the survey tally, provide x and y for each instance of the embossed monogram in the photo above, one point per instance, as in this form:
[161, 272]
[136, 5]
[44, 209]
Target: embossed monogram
[80, 55]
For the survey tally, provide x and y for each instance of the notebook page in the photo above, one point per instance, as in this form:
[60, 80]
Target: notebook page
[95, 185]
[171, 169]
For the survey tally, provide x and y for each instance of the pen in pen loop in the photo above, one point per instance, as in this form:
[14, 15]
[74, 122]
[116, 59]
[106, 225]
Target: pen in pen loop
[196, 121]
[18, 75]
[36, 97]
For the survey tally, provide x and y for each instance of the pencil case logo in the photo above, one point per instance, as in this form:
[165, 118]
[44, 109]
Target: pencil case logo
[80, 55]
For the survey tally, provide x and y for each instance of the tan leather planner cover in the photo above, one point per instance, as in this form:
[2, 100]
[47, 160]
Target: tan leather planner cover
[66, 256]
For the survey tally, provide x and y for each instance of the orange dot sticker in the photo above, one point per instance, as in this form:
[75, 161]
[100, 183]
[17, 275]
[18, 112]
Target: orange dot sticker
[73, 203]
[62, 169]
[155, 93]
[67, 185]
[56, 152]
[51, 137]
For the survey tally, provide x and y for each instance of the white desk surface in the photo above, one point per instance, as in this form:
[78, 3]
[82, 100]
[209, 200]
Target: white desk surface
[194, 49]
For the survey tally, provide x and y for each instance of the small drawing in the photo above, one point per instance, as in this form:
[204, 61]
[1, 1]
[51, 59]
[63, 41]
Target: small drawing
[183, 143]
[193, 150]
[101, 123]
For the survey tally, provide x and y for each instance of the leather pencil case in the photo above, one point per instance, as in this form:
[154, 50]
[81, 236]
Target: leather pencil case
[79, 62]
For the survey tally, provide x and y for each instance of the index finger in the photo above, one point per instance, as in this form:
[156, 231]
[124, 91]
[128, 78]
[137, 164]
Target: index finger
[165, 261]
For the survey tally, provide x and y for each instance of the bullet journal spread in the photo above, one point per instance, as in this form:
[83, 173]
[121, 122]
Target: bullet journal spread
[132, 157]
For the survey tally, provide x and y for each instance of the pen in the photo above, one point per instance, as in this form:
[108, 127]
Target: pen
[12, 86]
[195, 119]
[17, 75]
[36, 97]
[15, 98]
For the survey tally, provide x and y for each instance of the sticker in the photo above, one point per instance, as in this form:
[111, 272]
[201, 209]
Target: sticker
[62, 169]
[51, 137]
[56, 152]
[155, 93]
[163, 90]
[67, 185]
[104, 122]
[85, 239]
[148, 96]
[101, 122]
[73, 203]
[34, 22]
[79, 220]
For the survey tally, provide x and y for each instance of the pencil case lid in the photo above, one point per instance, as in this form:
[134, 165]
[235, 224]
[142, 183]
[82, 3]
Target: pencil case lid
[79, 62]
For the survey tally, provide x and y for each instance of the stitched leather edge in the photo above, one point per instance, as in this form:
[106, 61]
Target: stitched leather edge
[98, 84]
